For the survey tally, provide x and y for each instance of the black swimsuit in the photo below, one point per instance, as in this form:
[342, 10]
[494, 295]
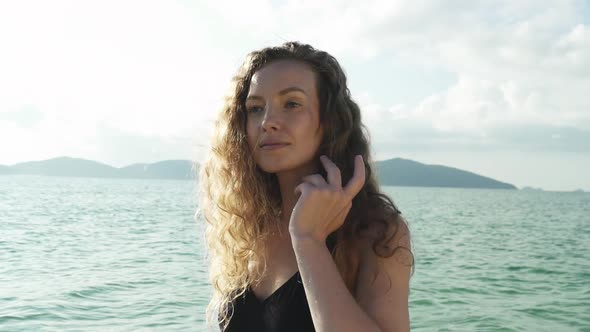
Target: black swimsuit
[284, 310]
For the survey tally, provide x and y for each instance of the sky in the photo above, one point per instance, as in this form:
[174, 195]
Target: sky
[499, 88]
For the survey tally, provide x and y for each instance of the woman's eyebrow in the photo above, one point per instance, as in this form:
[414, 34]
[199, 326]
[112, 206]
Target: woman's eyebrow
[254, 98]
[281, 93]
[291, 89]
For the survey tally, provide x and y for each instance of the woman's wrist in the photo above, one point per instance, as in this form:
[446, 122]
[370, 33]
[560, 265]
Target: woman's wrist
[306, 241]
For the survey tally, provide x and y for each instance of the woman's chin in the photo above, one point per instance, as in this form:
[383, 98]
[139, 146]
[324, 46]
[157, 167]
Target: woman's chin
[273, 167]
[276, 167]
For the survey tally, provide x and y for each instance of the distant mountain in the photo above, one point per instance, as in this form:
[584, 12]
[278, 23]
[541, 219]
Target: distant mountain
[66, 166]
[392, 172]
[404, 172]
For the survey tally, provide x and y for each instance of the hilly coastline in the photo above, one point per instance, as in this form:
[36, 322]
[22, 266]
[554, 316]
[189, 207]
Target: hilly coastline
[66, 166]
[391, 172]
[405, 172]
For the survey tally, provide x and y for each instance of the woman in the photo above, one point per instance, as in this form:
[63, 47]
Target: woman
[299, 236]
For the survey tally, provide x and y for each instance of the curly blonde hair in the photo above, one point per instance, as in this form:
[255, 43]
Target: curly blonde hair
[242, 203]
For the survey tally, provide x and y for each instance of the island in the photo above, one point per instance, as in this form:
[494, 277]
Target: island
[391, 172]
[409, 173]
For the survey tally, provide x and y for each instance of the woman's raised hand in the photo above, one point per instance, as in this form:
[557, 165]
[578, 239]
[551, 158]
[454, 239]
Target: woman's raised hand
[323, 206]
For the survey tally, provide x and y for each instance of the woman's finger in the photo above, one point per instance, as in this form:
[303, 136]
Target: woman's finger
[315, 179]
[333, 172]
[303, 187]
[358, 178]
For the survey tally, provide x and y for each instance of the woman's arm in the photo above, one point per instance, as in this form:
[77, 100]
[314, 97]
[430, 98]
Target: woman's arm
[332, 306]
[382, 288]
[384, 282]
[321, 209]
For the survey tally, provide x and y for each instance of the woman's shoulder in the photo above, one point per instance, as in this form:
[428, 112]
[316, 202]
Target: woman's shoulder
[381, 240]
[384, 256]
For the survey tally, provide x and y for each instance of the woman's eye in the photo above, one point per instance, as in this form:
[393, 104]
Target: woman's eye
[292, 104]
[254, 109]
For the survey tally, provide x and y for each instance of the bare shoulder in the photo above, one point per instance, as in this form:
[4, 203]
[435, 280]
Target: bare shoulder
[381, 245]
[385, 267]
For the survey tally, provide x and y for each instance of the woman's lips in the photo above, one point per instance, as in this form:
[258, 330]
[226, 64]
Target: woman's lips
[273, 146]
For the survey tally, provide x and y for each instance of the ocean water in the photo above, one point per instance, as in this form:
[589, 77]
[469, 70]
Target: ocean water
[79, 254]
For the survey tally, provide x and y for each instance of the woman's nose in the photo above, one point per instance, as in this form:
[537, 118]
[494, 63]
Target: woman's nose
[271, 120]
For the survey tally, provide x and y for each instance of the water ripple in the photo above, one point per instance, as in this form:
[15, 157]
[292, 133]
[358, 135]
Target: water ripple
[121, 255]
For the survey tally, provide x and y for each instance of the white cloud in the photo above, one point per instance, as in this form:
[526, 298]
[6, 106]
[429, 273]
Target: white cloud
[518, 66]
[138, 66]
[156, 70]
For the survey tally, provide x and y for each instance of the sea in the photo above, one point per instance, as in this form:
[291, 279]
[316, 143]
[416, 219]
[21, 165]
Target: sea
[91, 254]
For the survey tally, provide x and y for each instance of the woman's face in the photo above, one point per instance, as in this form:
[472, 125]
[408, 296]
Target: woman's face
[283, 116]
